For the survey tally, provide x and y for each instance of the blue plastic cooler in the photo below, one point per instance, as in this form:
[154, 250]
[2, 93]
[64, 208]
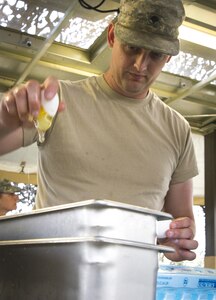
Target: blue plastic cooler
[185, 283]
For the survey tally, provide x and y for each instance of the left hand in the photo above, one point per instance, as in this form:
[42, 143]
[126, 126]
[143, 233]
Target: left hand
[180, 237]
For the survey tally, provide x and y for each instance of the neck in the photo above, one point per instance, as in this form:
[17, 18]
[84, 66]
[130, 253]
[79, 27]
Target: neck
[124, 89]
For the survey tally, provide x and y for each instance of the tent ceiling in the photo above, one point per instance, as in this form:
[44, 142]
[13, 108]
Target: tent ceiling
[72, 45]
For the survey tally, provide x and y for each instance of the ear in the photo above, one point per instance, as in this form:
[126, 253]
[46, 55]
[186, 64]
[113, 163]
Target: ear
[110, 35]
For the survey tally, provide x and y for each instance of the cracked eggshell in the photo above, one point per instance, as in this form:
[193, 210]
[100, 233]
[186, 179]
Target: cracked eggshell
[50, 106]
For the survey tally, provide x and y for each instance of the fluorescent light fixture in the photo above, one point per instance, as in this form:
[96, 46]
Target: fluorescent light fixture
[197, 37]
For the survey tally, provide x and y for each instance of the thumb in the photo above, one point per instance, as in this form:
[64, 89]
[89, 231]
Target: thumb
[50, 87]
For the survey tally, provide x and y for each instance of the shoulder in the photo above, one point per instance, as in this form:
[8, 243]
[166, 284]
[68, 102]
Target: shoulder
[69, 85]
[167, 113]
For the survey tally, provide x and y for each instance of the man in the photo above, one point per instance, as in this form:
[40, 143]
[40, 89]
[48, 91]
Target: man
[115, 139]
[8, 197]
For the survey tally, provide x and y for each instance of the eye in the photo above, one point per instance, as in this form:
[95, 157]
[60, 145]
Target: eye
[131, 49]
[157, 55]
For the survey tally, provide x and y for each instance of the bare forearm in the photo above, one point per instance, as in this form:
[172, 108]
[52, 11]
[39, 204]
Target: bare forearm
[10, 130]
[8, 123]
[181, 232]
[11, 141]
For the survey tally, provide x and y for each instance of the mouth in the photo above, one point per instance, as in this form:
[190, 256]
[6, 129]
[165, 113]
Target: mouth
[137, 76]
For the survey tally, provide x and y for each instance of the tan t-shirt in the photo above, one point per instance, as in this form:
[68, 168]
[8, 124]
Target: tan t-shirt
[107, 146]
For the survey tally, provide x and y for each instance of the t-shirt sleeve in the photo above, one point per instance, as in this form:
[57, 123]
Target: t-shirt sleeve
[187, 165]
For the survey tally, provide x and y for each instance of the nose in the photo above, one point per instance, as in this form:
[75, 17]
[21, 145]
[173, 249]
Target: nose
[141, 61]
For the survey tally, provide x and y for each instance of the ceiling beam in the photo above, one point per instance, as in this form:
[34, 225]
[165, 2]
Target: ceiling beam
[207, 3]
[47, 43]
[193, 89]
[201, 102]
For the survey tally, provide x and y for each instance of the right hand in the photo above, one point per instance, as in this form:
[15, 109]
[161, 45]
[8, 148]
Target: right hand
[180, 236]
[22, 103]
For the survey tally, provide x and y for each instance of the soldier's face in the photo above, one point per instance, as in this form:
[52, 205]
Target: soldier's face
[8, 201]
[133, 69]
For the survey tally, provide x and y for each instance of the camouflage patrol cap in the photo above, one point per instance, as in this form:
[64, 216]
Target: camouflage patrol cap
[7, 188]
[150, 24]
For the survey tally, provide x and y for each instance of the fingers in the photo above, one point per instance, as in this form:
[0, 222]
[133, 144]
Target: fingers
[183, 233]
[181, 223]
[27, 99]
[183, 249]
[184, 253]
[50, 87]
[24, 100]
[180, 255]
[180, 237]
[181, 228]
[186, 244]
[33, 97]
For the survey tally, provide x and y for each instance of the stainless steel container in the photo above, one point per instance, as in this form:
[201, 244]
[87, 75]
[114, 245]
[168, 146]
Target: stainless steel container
[90, 250]
[82, 219]
[78, 269]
